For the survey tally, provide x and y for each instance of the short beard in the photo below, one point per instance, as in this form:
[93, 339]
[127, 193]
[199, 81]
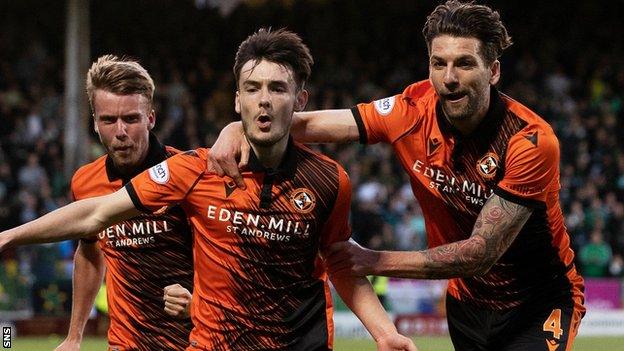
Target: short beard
[470, 111]
[125, 168]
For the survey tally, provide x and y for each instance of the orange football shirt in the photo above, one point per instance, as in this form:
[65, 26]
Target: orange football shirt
[513, 153]
[259, 281]
[142, 255]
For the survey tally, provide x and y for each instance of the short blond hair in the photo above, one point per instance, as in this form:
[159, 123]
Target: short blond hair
[119, 75]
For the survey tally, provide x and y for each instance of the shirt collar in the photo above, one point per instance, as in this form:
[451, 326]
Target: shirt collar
[489, 124]
[156, 153]
[287, 167]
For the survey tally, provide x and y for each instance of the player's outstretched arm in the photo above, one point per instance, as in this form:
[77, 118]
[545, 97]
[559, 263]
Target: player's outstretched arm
[327, 126]
[88, 273]
[177, 301]
[359, 296]
[497, 225]
[78, 219]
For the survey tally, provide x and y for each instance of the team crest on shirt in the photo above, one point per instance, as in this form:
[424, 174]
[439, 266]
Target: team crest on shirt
[160, 173]
[488, 165]
[384, 106]
[303, 200]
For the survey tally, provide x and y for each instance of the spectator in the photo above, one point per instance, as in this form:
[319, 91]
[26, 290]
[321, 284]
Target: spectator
[616, 268]
[595, 256]
[32, 176]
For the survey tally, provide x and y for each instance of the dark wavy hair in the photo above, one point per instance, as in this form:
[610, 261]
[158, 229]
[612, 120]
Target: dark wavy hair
[461, 19]
[282, 47]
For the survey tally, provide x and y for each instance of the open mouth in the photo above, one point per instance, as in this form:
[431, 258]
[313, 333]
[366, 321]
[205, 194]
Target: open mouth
[454, 97]
[264, 122]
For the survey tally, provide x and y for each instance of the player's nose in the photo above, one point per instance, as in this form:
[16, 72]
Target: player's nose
[450, 76]
[121, 129]
[265, 98]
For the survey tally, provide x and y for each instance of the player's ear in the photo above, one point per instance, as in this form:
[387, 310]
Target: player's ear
[302, 100]
[495, 72]
[95, 125]
[237, 107]
[151, 119]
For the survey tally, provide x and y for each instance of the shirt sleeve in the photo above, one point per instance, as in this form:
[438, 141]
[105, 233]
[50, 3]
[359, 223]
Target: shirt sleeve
[531, 167]
[167, 183]
[337, 228]
[386, 120]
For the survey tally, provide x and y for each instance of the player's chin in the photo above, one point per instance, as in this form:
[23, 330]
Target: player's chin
[456, 114]
[264, 139]
[124, 161]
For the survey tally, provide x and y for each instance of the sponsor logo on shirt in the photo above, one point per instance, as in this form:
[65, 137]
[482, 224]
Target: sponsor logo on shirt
[384, 106]
[134, 233]
[444, 182]
[270, 227]
[160, 173]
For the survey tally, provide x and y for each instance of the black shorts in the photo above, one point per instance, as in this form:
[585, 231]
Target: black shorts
[543, 326]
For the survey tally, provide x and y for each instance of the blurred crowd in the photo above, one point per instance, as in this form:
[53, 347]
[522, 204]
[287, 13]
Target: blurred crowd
[571, 79]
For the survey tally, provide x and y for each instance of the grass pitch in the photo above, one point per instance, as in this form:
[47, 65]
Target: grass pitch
[444, 344]
[423, 343]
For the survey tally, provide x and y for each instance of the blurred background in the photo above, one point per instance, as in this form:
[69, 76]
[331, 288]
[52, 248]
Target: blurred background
[567, 64]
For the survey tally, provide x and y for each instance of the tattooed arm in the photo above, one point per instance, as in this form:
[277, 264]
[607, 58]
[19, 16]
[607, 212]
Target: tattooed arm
[497, 225]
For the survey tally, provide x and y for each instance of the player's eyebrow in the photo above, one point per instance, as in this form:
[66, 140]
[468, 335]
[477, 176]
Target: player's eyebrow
[464, 57]
[250, 82]
[278, 83]
[127, 115]
[255, 83]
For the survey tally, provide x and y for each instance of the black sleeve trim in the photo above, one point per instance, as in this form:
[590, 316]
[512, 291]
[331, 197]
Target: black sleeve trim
[534, 204]
[90, 240]
[135, 198]
[360, 125]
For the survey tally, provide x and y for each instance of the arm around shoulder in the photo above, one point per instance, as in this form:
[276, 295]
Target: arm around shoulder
[325, 126]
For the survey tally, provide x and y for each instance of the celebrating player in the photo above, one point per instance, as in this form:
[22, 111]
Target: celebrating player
[260, 283]
[143, 254]
[485, 170]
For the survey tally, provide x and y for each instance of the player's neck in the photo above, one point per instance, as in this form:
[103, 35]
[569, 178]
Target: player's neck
[271, 156]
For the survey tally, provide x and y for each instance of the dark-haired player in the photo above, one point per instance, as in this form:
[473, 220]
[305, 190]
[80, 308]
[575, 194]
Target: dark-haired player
[485, 170]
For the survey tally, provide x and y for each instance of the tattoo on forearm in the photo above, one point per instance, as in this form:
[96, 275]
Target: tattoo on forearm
[493, 215]
[495, 229]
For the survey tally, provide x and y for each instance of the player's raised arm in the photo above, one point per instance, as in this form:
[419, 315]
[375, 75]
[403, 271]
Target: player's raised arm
[327, 126]
[78, 219]
[497, 225]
